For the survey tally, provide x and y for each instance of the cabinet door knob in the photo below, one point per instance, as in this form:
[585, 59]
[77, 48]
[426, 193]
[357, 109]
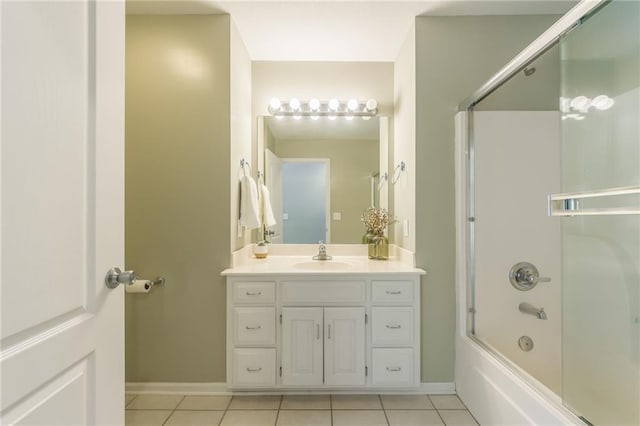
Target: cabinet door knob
[254, 293]
[393, 369]
[255, 327]
[393, 327]
[254, 370]
[318, 331]
[328, 331]
[394, 292]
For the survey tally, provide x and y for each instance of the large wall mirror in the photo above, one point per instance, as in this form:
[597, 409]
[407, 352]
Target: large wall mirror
[321, 175]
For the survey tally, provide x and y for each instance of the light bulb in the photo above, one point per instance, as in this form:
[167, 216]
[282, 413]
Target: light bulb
[372, 104]
[294, 104]
[352, 105]
[579, 117]
[602, 102]
[275, 104]
[581, 103]
[315, 117]
[297, 117]
[331, 117]
[334, 104]
[366, 117]
[349, 117]
[314, 104]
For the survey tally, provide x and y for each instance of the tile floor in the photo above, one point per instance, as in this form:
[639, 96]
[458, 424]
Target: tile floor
[294, 410]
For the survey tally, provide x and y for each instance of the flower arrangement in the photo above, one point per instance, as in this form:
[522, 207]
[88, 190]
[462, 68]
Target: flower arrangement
[376, 220]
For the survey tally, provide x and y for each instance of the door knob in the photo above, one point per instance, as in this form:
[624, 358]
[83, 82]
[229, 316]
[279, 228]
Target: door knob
[115, 276]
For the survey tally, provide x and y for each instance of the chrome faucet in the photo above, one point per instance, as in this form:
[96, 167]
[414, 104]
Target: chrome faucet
[527, 308]
[322, 252]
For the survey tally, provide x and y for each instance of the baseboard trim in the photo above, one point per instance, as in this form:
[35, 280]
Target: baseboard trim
[220, 388]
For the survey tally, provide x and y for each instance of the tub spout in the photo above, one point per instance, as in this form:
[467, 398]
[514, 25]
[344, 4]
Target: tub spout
[527, 308]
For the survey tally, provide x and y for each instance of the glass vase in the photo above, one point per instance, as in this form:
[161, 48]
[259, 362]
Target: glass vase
[381, 244]
[379, 247]
[368, 239]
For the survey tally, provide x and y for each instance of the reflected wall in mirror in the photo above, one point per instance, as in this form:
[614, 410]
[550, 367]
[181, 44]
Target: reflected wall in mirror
[321, 175]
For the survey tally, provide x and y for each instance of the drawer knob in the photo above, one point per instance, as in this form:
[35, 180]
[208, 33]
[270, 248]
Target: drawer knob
[254, 293]
[254, 370]
[394, 369]
[255, 327]
[394, 327]
[394, 292]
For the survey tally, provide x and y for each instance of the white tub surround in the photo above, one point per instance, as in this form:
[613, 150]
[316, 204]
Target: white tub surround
[349, 323]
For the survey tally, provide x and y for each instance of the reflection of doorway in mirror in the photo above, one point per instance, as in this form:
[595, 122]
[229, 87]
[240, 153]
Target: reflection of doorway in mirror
[305, 200]
[273, 180]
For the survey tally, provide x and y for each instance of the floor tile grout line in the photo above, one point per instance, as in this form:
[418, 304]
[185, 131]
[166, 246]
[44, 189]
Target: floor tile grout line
[225, 411]
[331, 407]
[383, 410]
[438, 412]
[278, 412]
[174, 410]
[129, 403]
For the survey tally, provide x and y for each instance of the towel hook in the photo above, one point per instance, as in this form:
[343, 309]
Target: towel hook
[397, 172]
[383, 179]
[245, 163]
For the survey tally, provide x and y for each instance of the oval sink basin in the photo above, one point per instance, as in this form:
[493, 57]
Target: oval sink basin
[323, 265]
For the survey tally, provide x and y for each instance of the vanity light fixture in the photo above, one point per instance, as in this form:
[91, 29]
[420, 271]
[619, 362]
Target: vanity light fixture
[576, 108]
[294, 104]
[315, 108]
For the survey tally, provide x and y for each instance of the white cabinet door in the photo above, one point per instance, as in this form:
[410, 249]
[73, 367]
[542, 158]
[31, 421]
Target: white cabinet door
[344, 346]
[62, 195]
[302, 346]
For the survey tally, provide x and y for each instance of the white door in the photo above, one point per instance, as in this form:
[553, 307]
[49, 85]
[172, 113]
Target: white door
[62, 163]
[273, 167]
[302, 346]
[344, 346]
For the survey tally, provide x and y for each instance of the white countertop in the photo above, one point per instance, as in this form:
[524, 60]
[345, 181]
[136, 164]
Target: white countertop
[346, 261]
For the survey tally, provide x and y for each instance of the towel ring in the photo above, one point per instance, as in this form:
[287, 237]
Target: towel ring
[397, 172]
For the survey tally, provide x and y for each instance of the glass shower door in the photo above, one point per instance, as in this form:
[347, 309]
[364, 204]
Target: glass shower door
[600, 220]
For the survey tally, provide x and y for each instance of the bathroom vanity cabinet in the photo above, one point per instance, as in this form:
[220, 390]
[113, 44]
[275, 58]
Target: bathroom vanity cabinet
[323, 331]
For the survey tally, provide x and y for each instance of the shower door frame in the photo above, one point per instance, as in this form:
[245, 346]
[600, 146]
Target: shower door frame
[465, 200]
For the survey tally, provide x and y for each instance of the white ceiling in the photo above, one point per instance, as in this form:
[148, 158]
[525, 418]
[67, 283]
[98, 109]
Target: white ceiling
[354, 30]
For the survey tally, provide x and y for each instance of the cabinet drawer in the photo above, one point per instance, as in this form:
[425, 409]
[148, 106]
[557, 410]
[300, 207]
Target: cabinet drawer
[392, 326]
[393, 367]
[392, 292]
[254, 292]
[254, 367]
[319, 292]
[254, 326]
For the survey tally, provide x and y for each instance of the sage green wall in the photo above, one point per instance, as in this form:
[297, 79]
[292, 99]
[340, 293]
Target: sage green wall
[177, 195]
[353, 162]
[454, 57]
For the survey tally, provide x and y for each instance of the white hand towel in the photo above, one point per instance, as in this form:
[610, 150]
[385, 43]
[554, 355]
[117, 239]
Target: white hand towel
[249, 207]
[267, 212]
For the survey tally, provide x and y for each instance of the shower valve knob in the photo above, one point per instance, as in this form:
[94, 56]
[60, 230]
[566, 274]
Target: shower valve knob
[524, 276]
